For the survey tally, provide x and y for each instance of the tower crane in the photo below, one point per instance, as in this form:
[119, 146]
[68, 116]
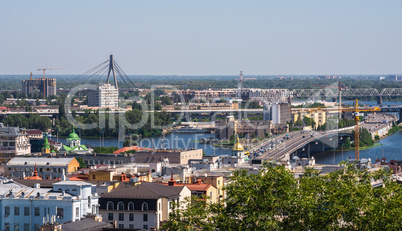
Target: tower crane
[356, 114]
[44, 78]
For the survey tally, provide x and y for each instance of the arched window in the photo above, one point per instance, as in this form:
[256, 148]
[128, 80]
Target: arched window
[144, 206]
[120, 206]
[109, 205]
[131, 206]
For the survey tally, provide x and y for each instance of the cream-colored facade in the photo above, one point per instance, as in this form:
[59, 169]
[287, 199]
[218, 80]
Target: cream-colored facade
[319, 117]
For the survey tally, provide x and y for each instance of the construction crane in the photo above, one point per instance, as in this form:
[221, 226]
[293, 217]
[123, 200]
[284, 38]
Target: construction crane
[44, 78]
[356, 114]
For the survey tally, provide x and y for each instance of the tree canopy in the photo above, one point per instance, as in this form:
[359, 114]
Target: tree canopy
[274, 199]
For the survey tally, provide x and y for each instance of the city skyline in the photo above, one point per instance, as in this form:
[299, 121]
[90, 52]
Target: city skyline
[208, 38]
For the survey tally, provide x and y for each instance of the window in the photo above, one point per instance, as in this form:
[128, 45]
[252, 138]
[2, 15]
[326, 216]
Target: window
[93, 177]
[131, 226]
[16, 211]
[37, 213]
[26, 211]
[121, 216]
[110, 216]
[131, 206]
[7, 211]
[120, 206]
[145, 217]
[109, 205]
[144, 206]
[145, 227]
[131, 217]
[7, 226]
[16, 226]
[60, 213]
[26, 226]
[121, 226]
[77, 212]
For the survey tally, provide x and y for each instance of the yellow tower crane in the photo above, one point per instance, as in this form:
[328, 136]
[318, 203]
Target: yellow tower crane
[356, 114]
[44, 78]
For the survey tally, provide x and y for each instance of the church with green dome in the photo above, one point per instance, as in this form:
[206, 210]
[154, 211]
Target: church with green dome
[74, 144]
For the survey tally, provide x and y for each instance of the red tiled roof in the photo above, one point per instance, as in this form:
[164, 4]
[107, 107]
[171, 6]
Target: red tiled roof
[125, 149]
[34, 132]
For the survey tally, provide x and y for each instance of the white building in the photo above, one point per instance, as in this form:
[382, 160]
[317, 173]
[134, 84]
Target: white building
[105, 96]
[142, 206]
[26, 208]
[48, 168]
[13, 142]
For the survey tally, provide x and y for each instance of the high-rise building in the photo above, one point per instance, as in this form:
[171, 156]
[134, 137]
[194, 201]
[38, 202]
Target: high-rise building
[279, 113]
[41, 87]
[105, 96]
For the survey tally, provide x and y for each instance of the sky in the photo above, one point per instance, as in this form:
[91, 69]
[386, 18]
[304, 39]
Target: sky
[287, 37]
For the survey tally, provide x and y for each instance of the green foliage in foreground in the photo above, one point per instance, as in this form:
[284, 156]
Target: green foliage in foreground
[105, 150]
[275, 200]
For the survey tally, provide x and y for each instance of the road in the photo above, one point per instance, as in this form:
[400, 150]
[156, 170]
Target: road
[280, 147]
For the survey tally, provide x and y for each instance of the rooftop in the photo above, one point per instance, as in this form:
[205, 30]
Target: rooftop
[39, 161]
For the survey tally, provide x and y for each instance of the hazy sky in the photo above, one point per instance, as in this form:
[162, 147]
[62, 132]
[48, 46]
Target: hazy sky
[203, 37]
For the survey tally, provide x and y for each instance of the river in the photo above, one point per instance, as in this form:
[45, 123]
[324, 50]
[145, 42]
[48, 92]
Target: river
[389, 148]
[391, 144]
[172, 140]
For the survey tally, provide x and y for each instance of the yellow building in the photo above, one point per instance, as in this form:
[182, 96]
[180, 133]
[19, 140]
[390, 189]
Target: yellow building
[319, 117]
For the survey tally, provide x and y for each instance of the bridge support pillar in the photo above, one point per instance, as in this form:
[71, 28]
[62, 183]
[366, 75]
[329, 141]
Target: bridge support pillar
[379, 100]
[400, 117]
[308, 151]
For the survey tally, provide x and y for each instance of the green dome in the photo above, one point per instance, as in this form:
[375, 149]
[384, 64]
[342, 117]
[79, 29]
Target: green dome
[73, 135]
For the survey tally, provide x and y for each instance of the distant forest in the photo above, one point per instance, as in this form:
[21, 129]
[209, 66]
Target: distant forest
[13, 82]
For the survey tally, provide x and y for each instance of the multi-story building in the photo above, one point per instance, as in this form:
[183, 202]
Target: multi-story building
[278, 113]
[142, 206]
[173, 156]
[43, 87]
[48, 168]
[319, 117]
[13, 142]
[26, 208]
[105, 96]
[226, 128]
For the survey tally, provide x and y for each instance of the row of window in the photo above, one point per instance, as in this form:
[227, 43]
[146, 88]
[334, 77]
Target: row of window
[131, 226]
[17, 227]
[120, 206]
[7, 209]
[17, 169]
[130, 217]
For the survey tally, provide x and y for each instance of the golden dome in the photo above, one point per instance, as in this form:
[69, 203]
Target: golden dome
[237, 146]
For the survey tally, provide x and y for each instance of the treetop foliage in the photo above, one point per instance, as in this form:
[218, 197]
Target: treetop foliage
[275, 199]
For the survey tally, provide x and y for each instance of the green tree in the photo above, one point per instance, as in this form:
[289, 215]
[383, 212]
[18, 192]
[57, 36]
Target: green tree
[81, 161]
[274, 199]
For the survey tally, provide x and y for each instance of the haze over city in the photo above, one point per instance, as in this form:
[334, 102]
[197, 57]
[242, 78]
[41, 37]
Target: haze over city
[203, 37]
